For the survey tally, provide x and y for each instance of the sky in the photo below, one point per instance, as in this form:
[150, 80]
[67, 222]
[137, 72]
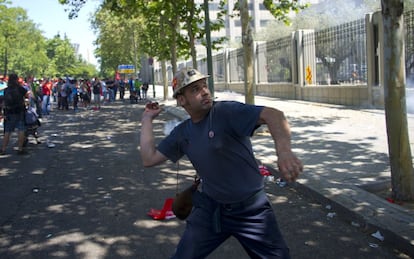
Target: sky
[51, 19]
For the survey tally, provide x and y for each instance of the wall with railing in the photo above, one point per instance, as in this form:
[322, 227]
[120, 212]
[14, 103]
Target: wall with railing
[337, 65]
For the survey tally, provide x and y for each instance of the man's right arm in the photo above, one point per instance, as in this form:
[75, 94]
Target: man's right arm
[149, 154]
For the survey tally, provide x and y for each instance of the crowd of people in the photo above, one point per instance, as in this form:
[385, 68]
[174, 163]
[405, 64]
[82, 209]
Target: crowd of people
[38, 96]
[215, 138]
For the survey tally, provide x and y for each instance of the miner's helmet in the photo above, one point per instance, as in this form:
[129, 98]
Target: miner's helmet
[185, 77]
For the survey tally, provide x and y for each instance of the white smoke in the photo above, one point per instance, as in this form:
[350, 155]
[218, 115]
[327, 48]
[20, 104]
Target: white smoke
[409, 95]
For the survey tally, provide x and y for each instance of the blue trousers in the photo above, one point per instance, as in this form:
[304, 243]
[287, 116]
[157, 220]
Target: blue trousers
[251, 222]
[45, 104]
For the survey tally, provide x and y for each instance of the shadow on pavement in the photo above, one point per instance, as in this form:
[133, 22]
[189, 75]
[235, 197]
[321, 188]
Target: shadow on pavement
[88, 196]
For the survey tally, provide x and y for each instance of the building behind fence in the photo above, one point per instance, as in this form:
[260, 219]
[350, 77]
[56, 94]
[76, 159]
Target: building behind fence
[337, 65]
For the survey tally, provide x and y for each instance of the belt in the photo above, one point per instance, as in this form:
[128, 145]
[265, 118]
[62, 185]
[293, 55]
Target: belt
[243, 204]
[232, 206]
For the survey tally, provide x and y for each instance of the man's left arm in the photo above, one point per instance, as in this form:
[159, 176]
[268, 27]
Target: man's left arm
[289, 165]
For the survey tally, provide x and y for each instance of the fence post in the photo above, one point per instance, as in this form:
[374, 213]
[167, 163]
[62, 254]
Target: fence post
[372, 46]
[304, 60]
[375, 70]
[260, 69]
[226, 60]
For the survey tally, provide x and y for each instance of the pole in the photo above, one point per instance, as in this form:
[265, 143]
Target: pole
[209, 55]
[151, 65]
[153, 81]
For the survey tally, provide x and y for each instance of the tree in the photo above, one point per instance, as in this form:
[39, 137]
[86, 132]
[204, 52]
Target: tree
[117, 41]
[332, 51]
[73, 7]
[330, 13]
[155, 33]
[25, 51]
[62, 60]
[29, 55]
[21, 44]
[173, 17]
[160, 35]
[402, 173]
[280, 10]
[9, 20]
[175, 13]
[247, 41]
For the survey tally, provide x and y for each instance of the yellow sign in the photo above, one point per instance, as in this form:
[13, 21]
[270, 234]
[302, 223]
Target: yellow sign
[126, 69]
[308, 75]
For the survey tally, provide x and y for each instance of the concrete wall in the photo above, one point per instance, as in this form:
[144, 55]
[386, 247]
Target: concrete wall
[355, 95]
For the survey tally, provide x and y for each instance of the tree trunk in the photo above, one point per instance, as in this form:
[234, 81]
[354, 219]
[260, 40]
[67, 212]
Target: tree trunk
[191, 36]
[402, 174]
[174, 26]
[165, 77]
[247, 41]
[173, 49]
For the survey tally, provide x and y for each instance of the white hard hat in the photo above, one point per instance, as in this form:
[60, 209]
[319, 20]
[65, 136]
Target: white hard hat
[185, 77]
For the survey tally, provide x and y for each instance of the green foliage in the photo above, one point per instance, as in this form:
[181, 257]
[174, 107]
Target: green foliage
[118, 40]
[25, 51]
[281, 9]
[72, 7]
[159, 31]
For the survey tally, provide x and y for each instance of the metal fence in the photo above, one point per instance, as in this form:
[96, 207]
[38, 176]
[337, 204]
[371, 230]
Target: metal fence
[338, 56]
[279, 60]
[340, 53]
[409, 46]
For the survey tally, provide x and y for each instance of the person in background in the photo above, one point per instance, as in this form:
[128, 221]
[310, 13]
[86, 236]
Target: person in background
[110, 85]
[59, 85]
[137, 85]
[216, 139]
[104, 91]
[70, 83]
[3, 86]
[64, 90]
[97, 90]
[36, 96]
[54, 90]
[84, 94]
[144, 90]
[46, 91]
[75, 93]
[14, 111]
[32, 123]
[89, 89]
[115, 88]
[121, 84]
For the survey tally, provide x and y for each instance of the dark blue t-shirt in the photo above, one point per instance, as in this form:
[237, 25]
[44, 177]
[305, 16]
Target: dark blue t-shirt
[220, 150]
[14, 99]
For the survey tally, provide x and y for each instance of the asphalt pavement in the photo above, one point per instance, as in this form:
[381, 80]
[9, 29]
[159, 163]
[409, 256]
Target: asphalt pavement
[88, 196]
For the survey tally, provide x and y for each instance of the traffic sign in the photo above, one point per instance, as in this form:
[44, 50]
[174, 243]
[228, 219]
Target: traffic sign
[126, 69]
[308, 75]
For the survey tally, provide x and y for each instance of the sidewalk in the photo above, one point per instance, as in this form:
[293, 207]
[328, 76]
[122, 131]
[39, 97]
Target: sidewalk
[345, 154]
